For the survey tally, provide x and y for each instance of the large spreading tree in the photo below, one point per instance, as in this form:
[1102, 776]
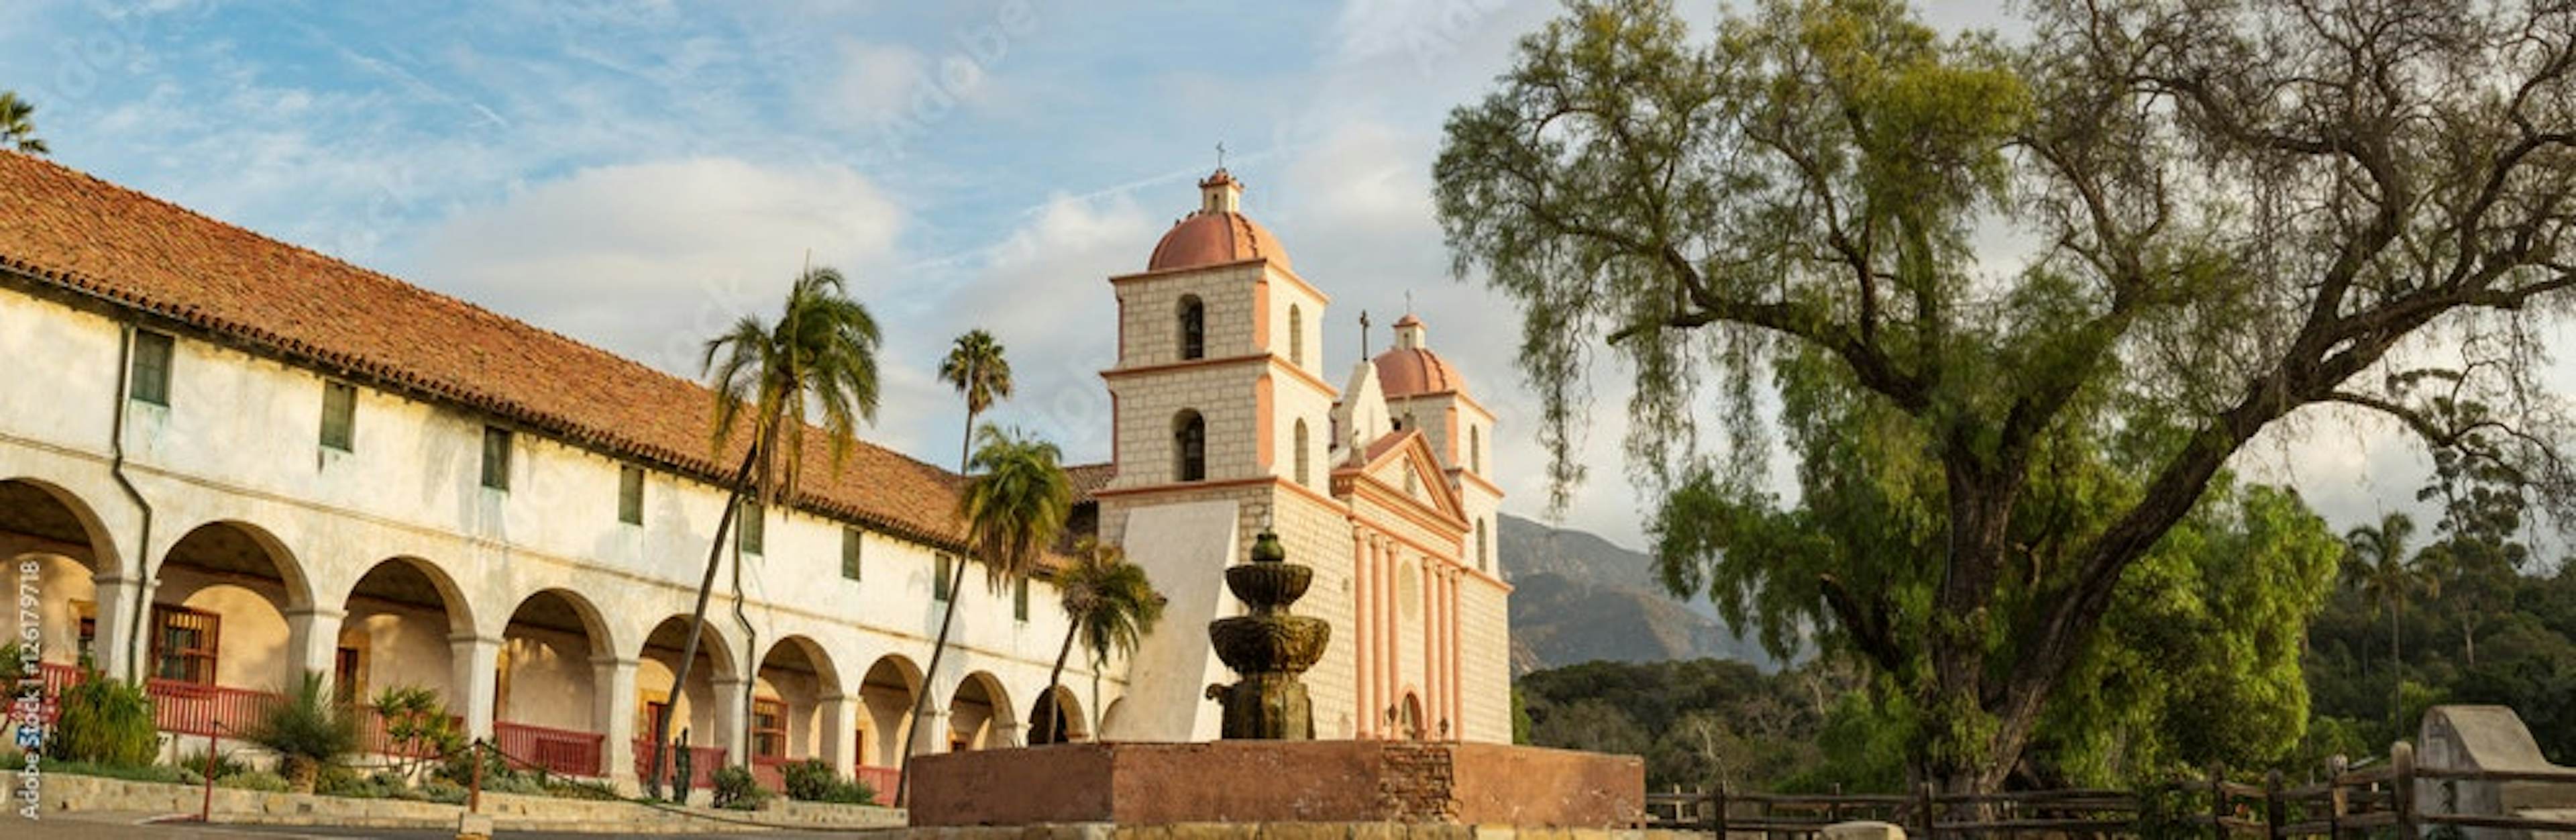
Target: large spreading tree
[2016, 305]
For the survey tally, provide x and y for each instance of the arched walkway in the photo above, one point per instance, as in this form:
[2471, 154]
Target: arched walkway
[794, 679]
[49, 526]
[545, 702]
[886, 697]
[395, 629]
[1057, 722]
[232, 621]
[979, 714]
[704, 716]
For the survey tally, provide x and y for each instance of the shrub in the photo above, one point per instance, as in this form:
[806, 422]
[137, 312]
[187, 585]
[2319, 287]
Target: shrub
[194, 763]
[812, 780]
[417, 723]
[563, 788]
[259, 780]
[736, 789]
[343, 782]
[442, 790]
[310, 731]
[106, 722]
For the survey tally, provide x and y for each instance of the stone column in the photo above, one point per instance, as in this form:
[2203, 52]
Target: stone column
[313, 642]
[839, 719]
[1360, 592]
[732, 715]
[120, 599]
[477, 660]
[614, 706]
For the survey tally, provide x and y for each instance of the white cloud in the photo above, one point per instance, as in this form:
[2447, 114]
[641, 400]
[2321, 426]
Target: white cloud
[649, 259]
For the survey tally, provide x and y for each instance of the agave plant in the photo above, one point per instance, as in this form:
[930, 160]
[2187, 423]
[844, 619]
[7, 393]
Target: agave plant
[312, 729]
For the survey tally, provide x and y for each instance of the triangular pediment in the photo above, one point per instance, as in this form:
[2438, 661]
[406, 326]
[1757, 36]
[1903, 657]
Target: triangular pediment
[1404, 463]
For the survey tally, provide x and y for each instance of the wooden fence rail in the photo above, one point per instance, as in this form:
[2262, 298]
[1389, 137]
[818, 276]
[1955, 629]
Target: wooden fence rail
[2344, 803]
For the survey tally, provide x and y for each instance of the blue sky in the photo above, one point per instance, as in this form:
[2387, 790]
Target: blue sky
[637, 174]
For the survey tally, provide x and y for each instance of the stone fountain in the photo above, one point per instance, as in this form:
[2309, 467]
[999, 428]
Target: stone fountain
[1270, 648]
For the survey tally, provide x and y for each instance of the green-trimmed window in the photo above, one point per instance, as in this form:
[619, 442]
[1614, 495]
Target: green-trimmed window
[340, 416]
[850, 548]
[151, 368]
[942, 576]
[1020, 598]
[630, 494]
[750, 530]
[496, 458]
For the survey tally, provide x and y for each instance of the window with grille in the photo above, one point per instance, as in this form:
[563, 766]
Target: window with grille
[942, 577]
[496, 458]
[850, 548]
[768, 727]
[339, 416]
[151, 368]
[1020, 599]
[184, 643]
[630, 494]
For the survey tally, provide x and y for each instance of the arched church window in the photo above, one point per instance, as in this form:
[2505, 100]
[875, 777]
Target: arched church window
[1193, 327]
[1296, 337]
[1299, 449]
[1189, 446]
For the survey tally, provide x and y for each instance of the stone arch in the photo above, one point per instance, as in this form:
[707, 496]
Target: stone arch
[542, 674]
[1190, 327]
[1068, 724]
[1408, 716]
[1111, 718]
[693, 708]
[72, 551]
[980, 714]
[887, 692]
[229, 605]
[397, 622]
[40, 516]
[796, 673]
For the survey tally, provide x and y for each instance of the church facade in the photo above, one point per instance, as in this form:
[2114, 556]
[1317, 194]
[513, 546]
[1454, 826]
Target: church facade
[1225, 423]
[226, 461]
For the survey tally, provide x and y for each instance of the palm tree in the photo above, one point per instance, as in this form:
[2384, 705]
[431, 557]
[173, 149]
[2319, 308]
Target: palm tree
[1014, 506]
[975, 367]
[2387, 574]
[18, 124]
[1110, 603]
[819, 359]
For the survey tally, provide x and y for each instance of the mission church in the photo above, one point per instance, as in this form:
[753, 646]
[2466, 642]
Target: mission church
[226, 461]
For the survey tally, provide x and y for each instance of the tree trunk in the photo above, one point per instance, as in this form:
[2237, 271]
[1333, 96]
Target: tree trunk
[938, 649]
[1054, 678]
[929, 678]
[697, 621]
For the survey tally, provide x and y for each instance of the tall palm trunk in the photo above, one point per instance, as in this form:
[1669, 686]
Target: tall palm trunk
[698, 621]
[1055, 678]
[939, 648]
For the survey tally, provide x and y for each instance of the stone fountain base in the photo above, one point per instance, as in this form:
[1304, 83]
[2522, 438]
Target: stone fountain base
[1280, 782]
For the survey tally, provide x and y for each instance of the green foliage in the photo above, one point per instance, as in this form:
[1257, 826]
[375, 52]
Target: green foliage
[105, 721]
[1696, 722]
[1520, 718]
[417, 724]
[14, 759]
[812, 780]
[225, 764]
[18, 125]
[2011, 467]
[818, 360]
[1015, 502]
[736, 789]
[312, 726]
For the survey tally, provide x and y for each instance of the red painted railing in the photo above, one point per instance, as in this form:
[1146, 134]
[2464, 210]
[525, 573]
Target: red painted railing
[57, 676]
[556, 750]
[883, 779]
[703, 762]
[193, 709]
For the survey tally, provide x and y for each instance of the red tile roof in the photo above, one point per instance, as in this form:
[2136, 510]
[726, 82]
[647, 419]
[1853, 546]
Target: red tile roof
[72, 231]
[1089, 478]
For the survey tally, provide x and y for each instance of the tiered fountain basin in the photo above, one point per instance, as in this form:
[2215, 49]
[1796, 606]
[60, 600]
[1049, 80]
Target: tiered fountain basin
[1280, 782]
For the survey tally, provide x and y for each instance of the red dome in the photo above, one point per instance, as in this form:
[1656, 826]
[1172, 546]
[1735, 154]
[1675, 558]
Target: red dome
[1413, 371]
[1215, 239]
